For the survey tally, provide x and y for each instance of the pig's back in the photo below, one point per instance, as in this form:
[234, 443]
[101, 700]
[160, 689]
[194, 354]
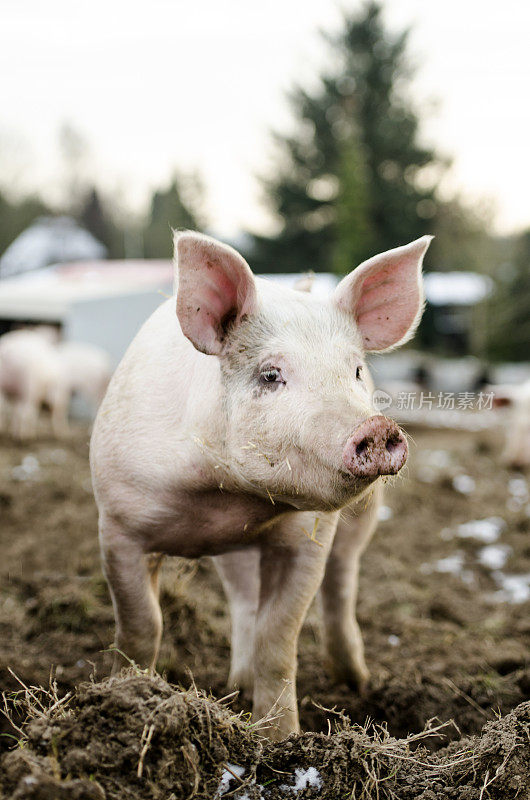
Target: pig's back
[160, 397]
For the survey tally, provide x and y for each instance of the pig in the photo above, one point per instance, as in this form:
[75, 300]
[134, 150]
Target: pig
[239, 430]
[29, 372]
[85, 370]
[36, 369]
[516, 452]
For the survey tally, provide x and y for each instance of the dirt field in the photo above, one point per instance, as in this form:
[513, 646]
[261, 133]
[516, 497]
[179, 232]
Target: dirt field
[444, 612]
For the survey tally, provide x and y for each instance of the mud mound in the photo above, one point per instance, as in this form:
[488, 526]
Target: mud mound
[129, 737]
[138, 737]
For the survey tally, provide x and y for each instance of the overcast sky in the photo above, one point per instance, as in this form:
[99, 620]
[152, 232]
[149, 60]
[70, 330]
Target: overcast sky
[197, 84]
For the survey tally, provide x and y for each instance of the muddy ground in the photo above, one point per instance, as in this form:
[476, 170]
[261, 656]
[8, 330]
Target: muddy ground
[444, 612]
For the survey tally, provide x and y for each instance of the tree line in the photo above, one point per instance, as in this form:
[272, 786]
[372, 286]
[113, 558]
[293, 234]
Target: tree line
[354, 177]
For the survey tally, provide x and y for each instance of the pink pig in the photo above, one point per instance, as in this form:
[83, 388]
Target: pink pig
[37, 369]
[517, 424]
[239, 430]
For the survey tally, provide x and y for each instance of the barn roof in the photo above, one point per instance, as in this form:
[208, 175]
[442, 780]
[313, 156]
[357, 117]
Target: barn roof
[49, 240]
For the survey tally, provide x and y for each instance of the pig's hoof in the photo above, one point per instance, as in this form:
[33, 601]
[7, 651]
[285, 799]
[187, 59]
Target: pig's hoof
[356, 678]
[242, 681]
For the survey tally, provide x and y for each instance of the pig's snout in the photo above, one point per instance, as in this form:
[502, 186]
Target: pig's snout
[377, 447]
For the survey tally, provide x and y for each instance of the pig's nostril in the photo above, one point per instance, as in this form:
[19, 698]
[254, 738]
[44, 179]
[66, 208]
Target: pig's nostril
[392, 443]
[361, 447]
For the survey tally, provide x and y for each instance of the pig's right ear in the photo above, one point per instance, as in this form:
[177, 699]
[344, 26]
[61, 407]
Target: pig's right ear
[216, 289]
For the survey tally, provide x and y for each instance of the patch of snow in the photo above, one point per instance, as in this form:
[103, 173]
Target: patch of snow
[452, 565]
[384, 513]
[519, 493]
[513, 588]
[518, 487]
[227, 778]
[305, 778]
[28, 470]
[464, 484]
[494, 556]
[483, 530]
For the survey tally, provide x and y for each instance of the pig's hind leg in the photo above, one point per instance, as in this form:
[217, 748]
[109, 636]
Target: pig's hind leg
[132, 577]
[239, 573]
[342, 635]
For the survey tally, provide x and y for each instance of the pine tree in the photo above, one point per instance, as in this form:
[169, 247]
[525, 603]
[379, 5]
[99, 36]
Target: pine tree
[348, 183]
[170, 210]
[509, 308]
[93, 217]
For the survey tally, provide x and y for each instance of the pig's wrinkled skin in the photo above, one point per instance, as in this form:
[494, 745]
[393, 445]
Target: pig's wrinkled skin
[516, 452]
[35, 369]
[235, 434]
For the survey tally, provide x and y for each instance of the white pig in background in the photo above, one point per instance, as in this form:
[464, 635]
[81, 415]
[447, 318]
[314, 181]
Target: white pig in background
[517, 448]
[29, 370]
[35, 369]
[238, 428]
[85, 370]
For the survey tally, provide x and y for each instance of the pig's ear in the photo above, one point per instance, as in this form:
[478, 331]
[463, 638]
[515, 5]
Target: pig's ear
[216, 289]
[385, 295]
[502, 395]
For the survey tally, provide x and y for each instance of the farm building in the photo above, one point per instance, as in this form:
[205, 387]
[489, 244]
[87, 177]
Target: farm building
[100, 302]
[49, 240]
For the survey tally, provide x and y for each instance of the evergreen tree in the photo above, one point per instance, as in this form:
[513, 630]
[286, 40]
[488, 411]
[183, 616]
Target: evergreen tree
[169, 210]
[348, 183]
[509, 308]
[354, 231]
[94, 219]
[16, 216]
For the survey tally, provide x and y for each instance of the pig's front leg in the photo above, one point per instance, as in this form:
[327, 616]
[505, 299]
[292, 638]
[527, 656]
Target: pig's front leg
[291, 570]
[24, 420]
[342, 635]
[132, 577]
[239, 573]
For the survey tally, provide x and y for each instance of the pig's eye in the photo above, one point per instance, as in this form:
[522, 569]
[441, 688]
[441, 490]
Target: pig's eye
[359, 374]
[271, 375]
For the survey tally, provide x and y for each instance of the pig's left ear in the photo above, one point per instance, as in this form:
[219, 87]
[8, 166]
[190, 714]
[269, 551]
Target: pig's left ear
[385, 295]
[216, 289]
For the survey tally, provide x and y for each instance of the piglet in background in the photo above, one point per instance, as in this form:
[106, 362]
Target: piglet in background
[238, 427]
[516, 399]
[36, 370]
